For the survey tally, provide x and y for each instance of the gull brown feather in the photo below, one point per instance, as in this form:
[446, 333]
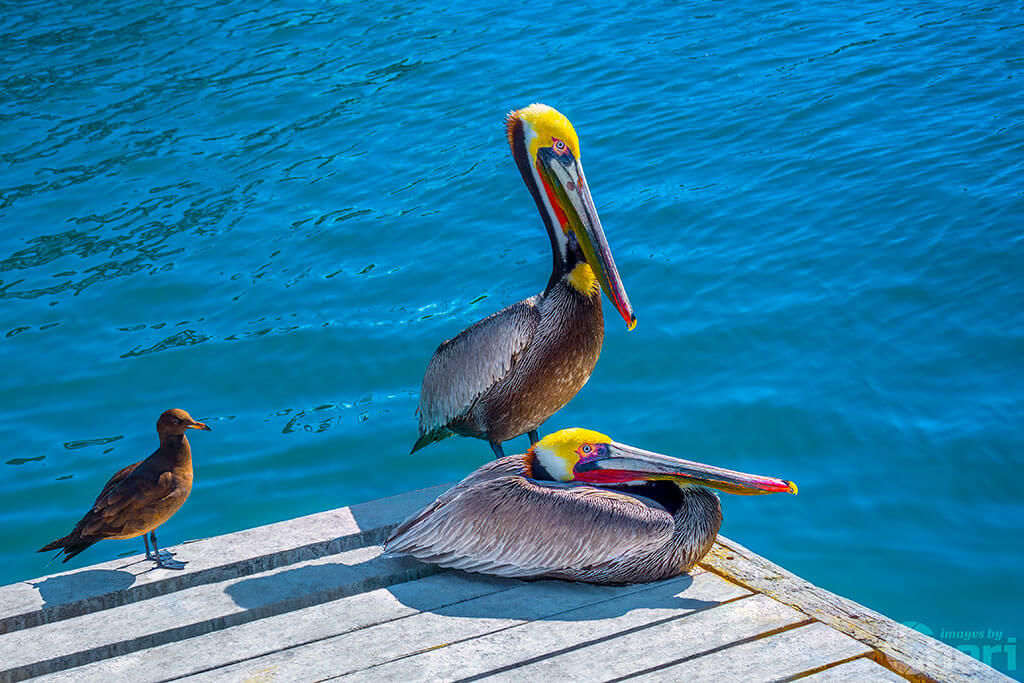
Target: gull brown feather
[141, 496]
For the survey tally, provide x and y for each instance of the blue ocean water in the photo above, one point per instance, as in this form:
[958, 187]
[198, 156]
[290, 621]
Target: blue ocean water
[270, 214]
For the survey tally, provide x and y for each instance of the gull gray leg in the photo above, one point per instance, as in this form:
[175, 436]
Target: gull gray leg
[174, 564]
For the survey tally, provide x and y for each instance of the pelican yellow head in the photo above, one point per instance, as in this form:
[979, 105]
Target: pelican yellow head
[559, 452]
[547, 151]
[587, 456]
[548, 127]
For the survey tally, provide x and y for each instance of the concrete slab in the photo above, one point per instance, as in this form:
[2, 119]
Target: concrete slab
[661, 644]
[313, 598]
[201, 609]
[118, 582]
[428, 630]
[856, 671]
[773, 658]
[565, 637]
[286, 631]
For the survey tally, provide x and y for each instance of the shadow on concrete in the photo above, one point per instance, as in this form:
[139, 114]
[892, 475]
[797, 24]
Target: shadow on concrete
[292, 584]
[550, 600]
[426, 588]
[318, 583]
[81, 585]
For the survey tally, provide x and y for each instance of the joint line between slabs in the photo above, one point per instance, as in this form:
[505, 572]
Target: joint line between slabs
[824, 667]
[595, 641]
[236, 569]
[711, 651]
[530, 621]
[333, 635]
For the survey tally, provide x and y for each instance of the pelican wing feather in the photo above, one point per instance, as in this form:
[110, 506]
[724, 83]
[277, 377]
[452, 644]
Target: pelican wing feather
[469, 364]
[513, 526]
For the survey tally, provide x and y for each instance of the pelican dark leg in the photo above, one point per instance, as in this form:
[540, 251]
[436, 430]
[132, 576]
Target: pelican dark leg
[145, 539]
[498, 451]
[534, 436]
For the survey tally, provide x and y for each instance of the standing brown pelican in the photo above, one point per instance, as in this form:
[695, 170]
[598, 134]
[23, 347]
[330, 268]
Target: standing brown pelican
[494, 379]
[142, 496]
[581, 507]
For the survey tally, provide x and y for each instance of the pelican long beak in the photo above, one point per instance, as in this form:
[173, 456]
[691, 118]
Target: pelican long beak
[564, 178]
[617, 463]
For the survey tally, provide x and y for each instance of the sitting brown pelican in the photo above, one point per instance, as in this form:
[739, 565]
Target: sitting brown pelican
[493, 380]
[578, 506]
[142, 496]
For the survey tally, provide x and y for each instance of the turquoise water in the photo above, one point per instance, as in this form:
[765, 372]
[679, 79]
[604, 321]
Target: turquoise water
[271, 213]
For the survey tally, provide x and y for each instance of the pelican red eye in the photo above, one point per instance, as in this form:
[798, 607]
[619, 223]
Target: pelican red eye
[559, 146]
[587, 448]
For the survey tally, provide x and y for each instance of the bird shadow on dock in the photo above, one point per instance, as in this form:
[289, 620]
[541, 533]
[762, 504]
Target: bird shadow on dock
[79, 585]
[314, 583]
[426, 588]
[551, 600]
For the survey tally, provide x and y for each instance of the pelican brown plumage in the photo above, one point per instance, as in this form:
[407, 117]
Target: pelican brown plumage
[581, 507]
[494, 379]
[142, 496]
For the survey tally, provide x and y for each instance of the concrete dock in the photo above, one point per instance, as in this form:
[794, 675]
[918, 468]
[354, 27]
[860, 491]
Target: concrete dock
[314, 598]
